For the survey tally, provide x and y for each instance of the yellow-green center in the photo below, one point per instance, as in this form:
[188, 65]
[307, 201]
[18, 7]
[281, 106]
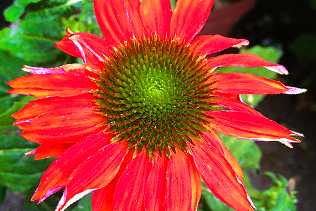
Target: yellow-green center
[155, 93]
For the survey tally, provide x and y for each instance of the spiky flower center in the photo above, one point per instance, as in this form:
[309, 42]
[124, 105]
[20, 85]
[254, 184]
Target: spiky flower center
[155, 93]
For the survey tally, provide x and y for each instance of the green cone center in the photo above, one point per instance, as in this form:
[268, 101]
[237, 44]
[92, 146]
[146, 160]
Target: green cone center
[155, 93]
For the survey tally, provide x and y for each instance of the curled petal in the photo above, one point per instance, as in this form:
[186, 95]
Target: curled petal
[208, 44]
[245, 83]
[94, 173]
[247, 125]
[156, 15]
[59, 171]
[220, 177]
[132, 181]
[244, 60]
[188, 18]
[97, 45]
[119, 20]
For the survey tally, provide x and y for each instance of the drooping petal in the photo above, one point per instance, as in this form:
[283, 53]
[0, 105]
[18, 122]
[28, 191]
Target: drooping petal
[102, 199]
[50, 85]
[220, 177]
[245, 83]
[156, 15]
[214, 140]
[188, 18]
[119, 20]
[154, 195]
[247, 125]
[129, 192]
[178, 182]
[61, 123]
[49, 150]
[98, 45]
[95, 172]
[59, 171]
[244, 60]
[208, 44]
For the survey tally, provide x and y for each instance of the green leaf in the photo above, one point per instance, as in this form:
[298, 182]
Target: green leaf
[84, 204]
[13, 13]
[246, 152]
[83, 22]
[268, 53]
[2, 193]
[32, 39]
[284, 202]
[10, 68]
[18, 172]
[9, 105]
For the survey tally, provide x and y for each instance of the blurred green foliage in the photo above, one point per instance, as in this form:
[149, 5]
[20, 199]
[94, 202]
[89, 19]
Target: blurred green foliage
[36, 25]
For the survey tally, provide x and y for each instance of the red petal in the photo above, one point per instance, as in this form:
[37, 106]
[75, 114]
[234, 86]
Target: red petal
[97, 44]
[50, 85]
[59, 171]
[49, 150]
[102, 199]
[244, 60]
[178, 182]
[245, 83]
[65, 124]
[156, 15]
[94, 173]
[154, 195]
[231, 103]
[129, 192]
[220, 177]
[39, 107]
[196, 185]
[188, 18]
[250, 126]
[208, 44]
[119, 20]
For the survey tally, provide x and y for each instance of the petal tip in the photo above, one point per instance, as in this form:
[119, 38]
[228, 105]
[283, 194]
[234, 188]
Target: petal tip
[243, 43]
[294, 90]
[278, 69]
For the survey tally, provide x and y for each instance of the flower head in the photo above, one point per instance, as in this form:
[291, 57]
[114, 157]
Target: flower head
[137, 123]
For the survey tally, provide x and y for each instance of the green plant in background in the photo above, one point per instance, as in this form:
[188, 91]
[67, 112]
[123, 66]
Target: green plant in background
[36, 25]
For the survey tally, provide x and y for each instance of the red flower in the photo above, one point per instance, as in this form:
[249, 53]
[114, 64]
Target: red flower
[137, 123]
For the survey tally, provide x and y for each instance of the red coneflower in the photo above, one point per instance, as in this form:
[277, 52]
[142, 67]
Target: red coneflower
[137, 123]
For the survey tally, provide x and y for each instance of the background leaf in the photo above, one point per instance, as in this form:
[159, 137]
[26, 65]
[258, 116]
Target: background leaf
[18, 172]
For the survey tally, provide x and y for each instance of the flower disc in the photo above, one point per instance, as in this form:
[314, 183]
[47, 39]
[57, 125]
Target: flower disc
[155, 93]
